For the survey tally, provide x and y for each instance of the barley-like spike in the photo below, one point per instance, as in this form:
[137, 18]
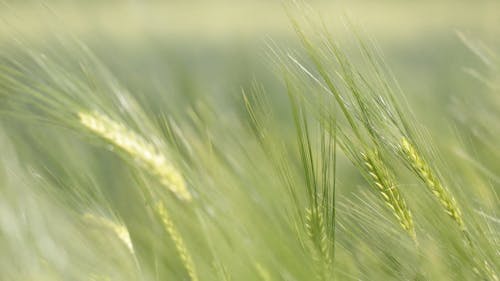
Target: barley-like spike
[426, 174]
[384, 182]
[178, 241]
[316, 230]
[139, 149]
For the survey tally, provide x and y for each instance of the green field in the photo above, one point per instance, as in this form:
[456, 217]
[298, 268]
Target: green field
[208, 140]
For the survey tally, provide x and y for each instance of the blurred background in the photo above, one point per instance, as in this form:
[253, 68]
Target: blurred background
[215, 48]
[174, 55]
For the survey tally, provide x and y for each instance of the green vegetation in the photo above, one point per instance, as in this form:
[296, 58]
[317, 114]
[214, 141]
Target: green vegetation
[319, 169]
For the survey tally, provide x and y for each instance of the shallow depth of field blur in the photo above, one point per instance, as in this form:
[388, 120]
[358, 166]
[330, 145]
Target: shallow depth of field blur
[191, 61]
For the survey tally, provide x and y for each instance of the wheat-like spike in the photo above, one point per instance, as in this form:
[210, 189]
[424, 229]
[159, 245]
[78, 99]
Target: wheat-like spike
[430, 179]
[138, 148]
[120, 230]
[316, 230]
[426, 174]
[315, 227]
[384, 182]
[178, 241]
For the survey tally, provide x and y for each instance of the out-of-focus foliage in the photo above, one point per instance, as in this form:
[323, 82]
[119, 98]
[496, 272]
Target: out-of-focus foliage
[224, 101]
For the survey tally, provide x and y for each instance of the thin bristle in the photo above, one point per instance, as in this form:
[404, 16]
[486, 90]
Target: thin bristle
[119, 230]
[262, 272]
